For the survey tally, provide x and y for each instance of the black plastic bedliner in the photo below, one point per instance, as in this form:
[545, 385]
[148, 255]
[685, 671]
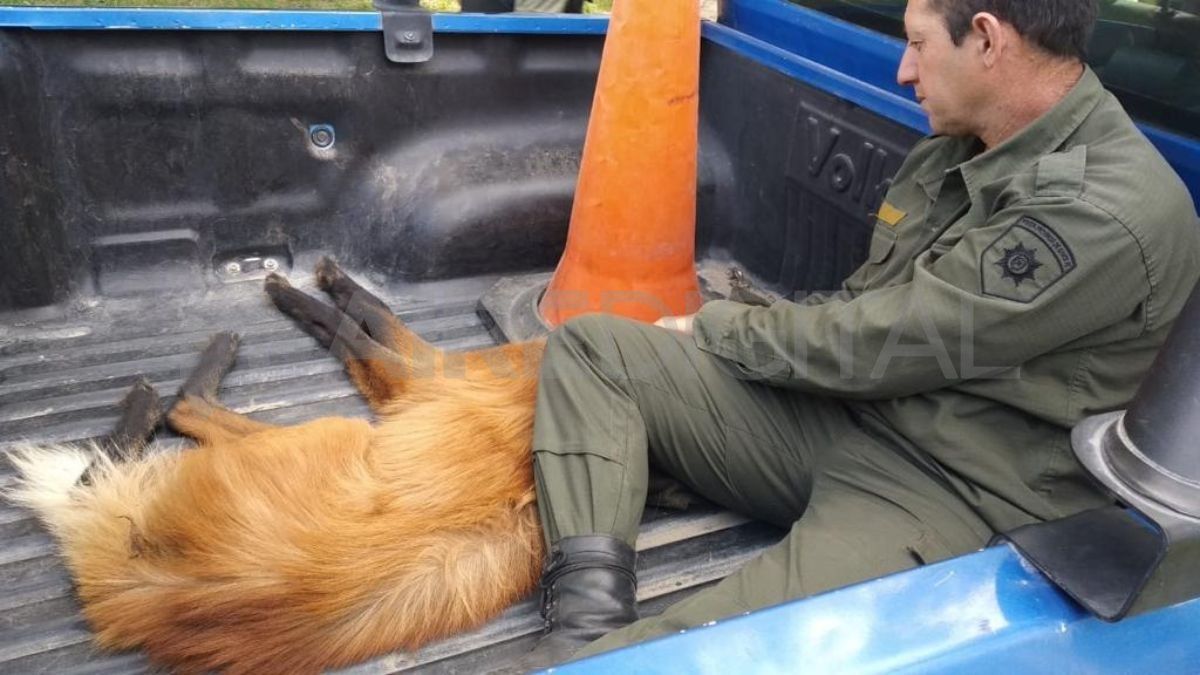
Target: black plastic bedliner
[62, 372]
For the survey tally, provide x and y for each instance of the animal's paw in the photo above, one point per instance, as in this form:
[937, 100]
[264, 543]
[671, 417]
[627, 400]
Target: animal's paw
[224, 344]
[276, 284]
[216, 360]
[276, 279]
[327, 273]
[142, 396]
[141, 391]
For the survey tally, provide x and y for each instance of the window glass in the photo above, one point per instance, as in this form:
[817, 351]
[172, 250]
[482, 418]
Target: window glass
[1147, 52]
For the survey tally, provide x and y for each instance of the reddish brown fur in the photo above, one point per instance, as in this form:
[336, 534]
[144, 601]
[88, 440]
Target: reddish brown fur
[294, 549]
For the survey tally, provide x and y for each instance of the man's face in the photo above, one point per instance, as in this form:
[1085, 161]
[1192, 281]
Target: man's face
[949, 79]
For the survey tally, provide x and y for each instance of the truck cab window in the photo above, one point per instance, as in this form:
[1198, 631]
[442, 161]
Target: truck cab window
[1147, 52]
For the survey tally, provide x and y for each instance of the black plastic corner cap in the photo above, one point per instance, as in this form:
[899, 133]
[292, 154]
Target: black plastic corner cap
[1103, 558]
[1163, 421]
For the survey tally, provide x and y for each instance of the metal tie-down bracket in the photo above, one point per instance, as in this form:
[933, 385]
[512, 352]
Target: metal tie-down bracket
[407, 31]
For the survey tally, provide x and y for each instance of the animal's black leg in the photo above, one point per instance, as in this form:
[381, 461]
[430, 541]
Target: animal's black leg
[215, 361]
[141, 413]
[316, 318]
[381, 374]
[371, 313]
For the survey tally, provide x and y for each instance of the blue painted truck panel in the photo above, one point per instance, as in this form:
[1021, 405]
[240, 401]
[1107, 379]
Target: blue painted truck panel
[78, 18]
[990, 612]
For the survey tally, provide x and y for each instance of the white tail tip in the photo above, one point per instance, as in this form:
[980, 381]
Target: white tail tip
[46, 475]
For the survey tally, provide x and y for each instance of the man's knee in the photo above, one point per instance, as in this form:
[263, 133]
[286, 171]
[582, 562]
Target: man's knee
[590, 336]
[587, 328]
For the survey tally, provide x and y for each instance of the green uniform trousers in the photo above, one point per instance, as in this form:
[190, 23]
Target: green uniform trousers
[617, 397]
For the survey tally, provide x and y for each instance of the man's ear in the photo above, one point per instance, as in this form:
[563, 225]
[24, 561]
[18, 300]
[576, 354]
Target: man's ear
[991, 38]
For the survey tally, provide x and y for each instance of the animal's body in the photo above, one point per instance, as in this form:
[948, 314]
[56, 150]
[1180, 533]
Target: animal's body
[294, 549]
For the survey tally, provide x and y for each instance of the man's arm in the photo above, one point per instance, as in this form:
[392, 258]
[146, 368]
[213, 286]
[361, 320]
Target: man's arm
[1038, 275]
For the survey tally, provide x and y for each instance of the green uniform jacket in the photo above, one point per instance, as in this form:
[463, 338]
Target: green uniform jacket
[1007, 295]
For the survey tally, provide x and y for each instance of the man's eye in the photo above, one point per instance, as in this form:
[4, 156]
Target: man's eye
[916, 44]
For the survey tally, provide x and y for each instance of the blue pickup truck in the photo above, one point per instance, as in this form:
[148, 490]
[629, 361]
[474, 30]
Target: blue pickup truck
[156, 164]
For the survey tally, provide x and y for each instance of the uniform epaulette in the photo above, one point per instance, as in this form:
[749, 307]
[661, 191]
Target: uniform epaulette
[1061, 173]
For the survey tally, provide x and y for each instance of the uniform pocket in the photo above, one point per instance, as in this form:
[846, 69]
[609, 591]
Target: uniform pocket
[883, 242]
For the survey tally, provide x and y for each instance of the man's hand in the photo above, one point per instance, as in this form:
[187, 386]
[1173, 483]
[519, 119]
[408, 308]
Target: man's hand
[679, 324]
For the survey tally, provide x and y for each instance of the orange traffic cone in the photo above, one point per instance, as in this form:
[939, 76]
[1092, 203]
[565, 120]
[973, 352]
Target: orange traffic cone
[631, 244]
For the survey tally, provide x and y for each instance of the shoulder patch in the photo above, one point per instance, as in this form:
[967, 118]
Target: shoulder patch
[1023, 262]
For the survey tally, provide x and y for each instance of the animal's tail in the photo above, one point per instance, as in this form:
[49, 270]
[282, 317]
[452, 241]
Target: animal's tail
[99, 524]
[52, 477]
[48, 478]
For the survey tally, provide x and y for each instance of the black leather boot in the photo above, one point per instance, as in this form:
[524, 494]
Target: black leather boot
[589, 588]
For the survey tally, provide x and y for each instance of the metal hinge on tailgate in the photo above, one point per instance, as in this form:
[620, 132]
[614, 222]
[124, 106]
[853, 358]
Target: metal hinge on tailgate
[407, 31]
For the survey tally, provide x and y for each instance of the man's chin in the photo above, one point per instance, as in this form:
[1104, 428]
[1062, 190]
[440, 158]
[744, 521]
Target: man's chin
[939, 127]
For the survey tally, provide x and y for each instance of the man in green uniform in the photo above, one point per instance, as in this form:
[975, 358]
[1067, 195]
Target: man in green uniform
[1025, 267]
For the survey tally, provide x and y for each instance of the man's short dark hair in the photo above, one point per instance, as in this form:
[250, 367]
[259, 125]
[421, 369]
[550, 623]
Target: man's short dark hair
[1061, 27]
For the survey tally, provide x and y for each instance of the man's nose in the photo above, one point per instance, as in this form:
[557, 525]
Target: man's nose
[907, 73]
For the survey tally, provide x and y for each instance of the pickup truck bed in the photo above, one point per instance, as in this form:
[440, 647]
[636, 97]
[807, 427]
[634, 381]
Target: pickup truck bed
[136, 164]
[61, 376]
